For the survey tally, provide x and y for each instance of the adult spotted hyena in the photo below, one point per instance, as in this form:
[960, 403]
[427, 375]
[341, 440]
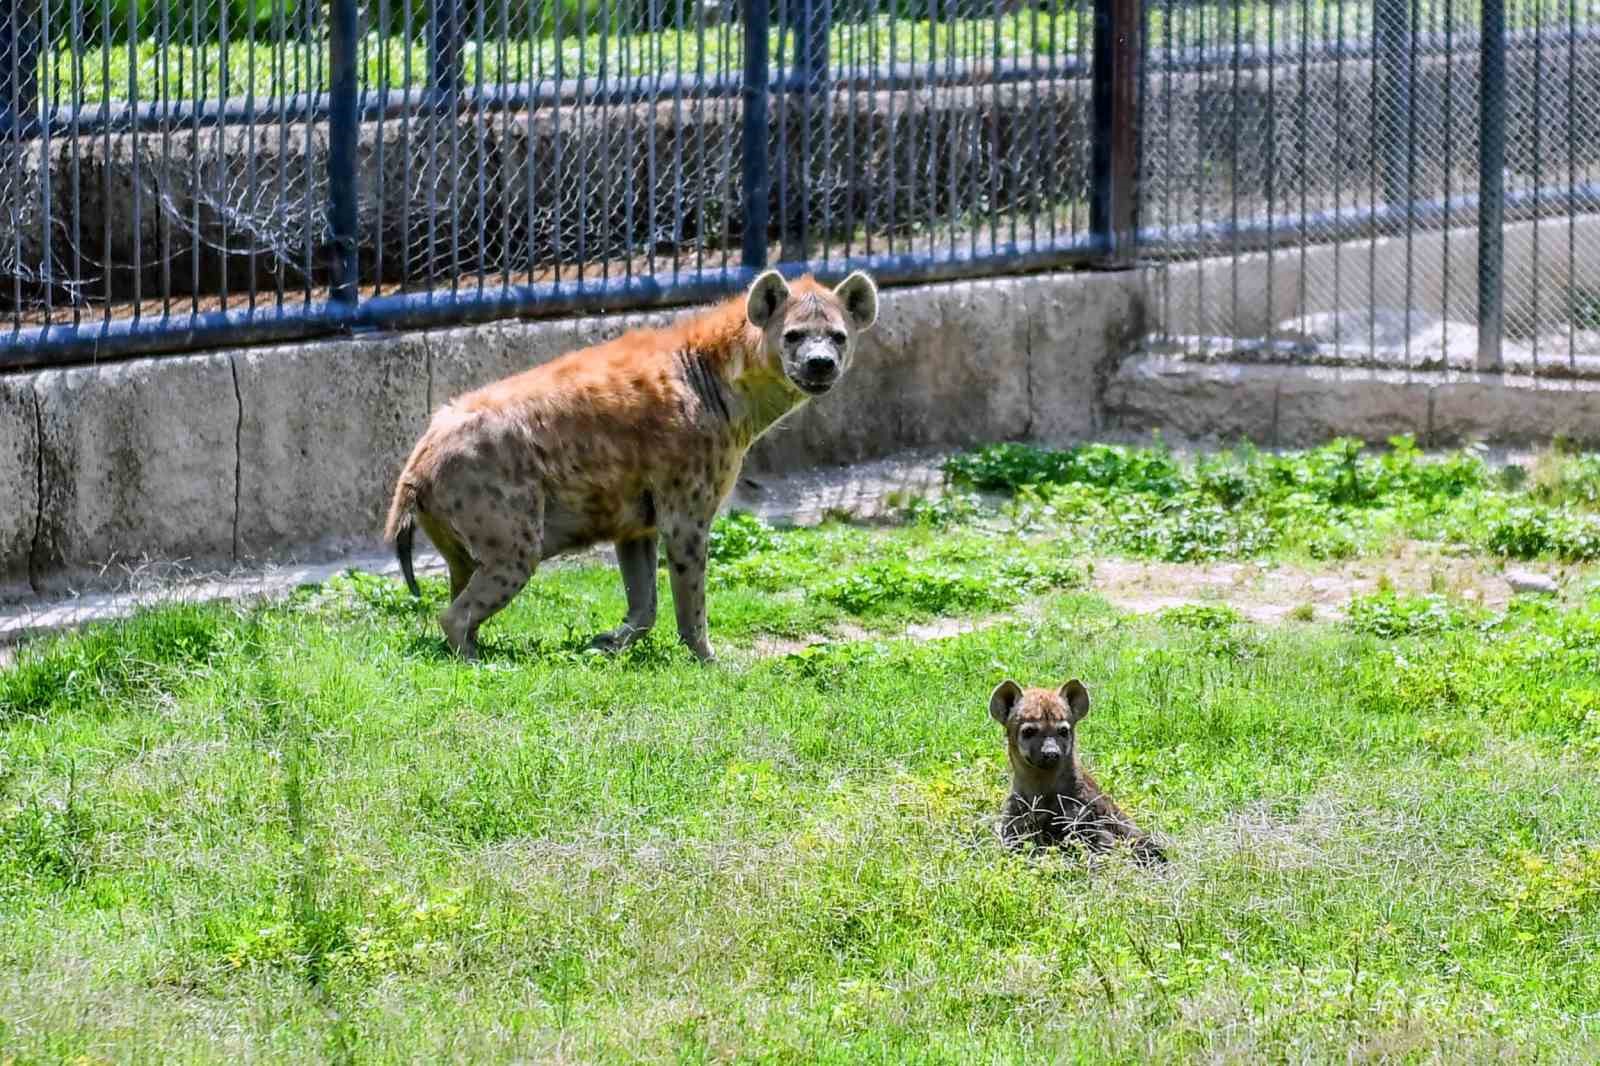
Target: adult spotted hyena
[638, 437]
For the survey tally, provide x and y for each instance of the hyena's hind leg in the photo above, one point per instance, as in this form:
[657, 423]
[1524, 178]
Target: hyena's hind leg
[637, 559]
[503, 531]
[455, 554]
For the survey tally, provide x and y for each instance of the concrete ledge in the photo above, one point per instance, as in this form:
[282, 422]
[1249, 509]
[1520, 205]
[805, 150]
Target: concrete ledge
[1076, 335]
[1297, 406]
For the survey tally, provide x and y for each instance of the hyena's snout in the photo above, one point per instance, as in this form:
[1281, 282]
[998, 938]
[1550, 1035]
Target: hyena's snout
[818, 365]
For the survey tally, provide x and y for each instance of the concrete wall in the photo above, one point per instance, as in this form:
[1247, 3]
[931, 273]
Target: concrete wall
[290, 453]
[1437, 271]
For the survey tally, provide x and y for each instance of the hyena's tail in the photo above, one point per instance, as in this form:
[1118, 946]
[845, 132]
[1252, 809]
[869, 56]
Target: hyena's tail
[402, 530]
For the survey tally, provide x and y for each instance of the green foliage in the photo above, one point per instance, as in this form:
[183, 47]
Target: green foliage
[1388, 614]
[1547, 895]
[147, 653]
[880, 586]
[1010, 467]
[1203, 616]
[738, 534]
[1328, 503]
[1531, 532]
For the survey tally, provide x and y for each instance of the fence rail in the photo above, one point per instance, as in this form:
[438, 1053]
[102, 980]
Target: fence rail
[181, 174]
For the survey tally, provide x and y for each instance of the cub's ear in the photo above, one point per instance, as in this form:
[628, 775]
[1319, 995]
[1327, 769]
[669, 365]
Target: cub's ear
[859, 295]
[1003, 700]
[767, 294]
[1076, 697]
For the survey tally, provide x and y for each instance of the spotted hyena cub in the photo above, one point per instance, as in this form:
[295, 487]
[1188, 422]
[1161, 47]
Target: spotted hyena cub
[629, 441]
[1053, 798]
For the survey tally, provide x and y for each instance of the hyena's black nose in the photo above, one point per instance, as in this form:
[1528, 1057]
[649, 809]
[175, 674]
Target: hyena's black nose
[820, 367]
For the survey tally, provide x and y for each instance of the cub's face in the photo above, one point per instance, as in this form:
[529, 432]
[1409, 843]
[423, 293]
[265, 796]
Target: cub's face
[811, 330]
[1041, 725]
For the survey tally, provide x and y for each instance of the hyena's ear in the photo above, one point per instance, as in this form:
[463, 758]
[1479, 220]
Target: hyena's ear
[859, 295]
[767, 294]
[1076, 697]
[1003, 700]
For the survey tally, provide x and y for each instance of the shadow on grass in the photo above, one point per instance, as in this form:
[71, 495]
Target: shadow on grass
[571, 649]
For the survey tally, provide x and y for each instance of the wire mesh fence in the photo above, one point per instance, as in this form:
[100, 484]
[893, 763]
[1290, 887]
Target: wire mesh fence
[1330, 175]
[170, 173]
[1297, 175]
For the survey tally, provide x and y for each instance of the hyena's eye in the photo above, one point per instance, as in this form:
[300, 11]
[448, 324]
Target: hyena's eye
[1064, 730]
[794, 336]
[1029, 732]
[840, 339]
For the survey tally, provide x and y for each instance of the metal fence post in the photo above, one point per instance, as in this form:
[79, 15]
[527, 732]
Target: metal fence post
[756, 179]
[20, 41]
[444, 49]
[811, 24]
[1491, 185]
[343, 131]
[1114, 132]
[1392, 71]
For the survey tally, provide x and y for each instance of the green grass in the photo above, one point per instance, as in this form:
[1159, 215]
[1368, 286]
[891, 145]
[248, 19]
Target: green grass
[1334, 502]
[185, 69]
[302, 832]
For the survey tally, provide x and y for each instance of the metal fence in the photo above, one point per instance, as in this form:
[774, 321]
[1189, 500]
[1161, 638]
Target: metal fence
[176, 175]
[1391, 183]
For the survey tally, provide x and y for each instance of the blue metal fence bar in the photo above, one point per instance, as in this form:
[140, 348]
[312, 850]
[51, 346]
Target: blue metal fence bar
[374, 105]
[126, 338]
[1491, 184]
[444, 47]
[1114, 147]
[808, 24]
[1391, 76]
[756, 177]
[20, 42]
[343, 129]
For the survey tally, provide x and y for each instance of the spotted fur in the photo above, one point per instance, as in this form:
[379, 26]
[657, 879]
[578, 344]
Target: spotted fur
[1054, 800]
[634, 441]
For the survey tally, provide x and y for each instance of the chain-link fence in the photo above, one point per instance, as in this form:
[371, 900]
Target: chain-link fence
[172, 174]
[1325, 167]
[1300, 176]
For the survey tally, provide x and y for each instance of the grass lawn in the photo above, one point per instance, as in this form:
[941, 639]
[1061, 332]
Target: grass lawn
[301, 832]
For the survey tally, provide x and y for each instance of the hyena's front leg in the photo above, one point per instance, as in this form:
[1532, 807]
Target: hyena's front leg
[637, 561]
[686, 551]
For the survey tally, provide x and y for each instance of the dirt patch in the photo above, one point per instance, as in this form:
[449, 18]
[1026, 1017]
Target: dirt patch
[1263, 592]
[1271, 593]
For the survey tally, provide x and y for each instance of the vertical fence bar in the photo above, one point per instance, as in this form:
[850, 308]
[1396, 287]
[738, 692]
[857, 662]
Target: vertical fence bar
[342, 134]
[20, 42]
[1492, 185]
[1392, 73]
[1114, 148]
[810, 24]
[444, 49]
[756, 175]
